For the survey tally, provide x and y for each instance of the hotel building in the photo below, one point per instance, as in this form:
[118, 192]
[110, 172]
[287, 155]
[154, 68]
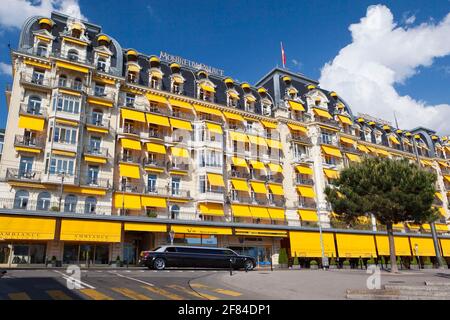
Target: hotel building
[108, 149]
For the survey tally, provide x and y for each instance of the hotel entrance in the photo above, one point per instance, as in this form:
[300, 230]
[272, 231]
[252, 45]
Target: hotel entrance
[262, 255]
[86, 254]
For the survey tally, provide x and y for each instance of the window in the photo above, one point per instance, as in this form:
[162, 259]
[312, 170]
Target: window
[176, 87]
[92, 175]
[209, 158]
[129, 100]
[99, 90]
[90, 205]
[266, 110]
[326, 137]
[68, 104]
[330, 160]
[62, 80]
[77, 84]
[202, 184]
[154, 83]
[72, 55]
[174, 212]
[101, 64]
[299, 151]
[21, 199]
[61, 166]
[43, 201]
[97, 117]
[65, 135]
[176, 185]
[34, 105]
[26, 167]
[151, 182]
[70, 203]
[132, 77]
[41, 50]
[38, 77]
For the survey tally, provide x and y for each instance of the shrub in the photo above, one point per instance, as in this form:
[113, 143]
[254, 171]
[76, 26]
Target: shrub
[399, 261]
[427, 261]
[282, 257]
[383, 262]
[414, 261]
[371, 261]
[313, 263]
[346, 262]
[295, 262]
[333, 261]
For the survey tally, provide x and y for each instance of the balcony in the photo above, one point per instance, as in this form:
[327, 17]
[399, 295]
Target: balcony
[107, 95]
[350, 149]
[97, 152]
[129, 130]
[13, 174]
[132, 187]
[35, 80]
[330, 142]
[69, 84]
[30, 142]
[277, 202]
[154, 163]
[239, 174]
[178, 166]
[95, 182]
[305, 205]
[155, 134]
[35, 111]
[299, 138]
[183, 115]
[179, 193]
[300, 117]
[97, 123]
[235, 198]
[159, 191]
[303, 181]
[72, 58]
[326, 121]
[274, 179]
[129, 159]
[212, 195]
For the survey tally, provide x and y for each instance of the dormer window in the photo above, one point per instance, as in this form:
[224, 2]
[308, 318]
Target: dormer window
[129, 100]
[76, 33]
[132, 77]
[154, 83]
[206, 93]
[101, 64]
[42, 50]
[176, 88]
[233, 99]
[266, 109]
[72, 55]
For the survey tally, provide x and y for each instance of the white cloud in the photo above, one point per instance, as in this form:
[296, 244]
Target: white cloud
[382, 55]
[410, 20]
[14, 12]
[5, 69]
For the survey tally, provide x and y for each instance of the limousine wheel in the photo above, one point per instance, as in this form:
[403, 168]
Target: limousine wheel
[248, 265]
[159, 264]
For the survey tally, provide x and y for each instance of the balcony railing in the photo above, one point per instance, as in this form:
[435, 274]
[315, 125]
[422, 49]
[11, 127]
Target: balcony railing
[94, 121]
[155, 134]
[72, 58]
[129, 130]
[183, 115]
[178, 166]
[275, 179]
[35, 79]
[330, 142]
[21, 174]
[239, 174]
[69, 84]
[330, 122]
[154, 163]
[107, 94]
[305, 205]
[24, 141]
[277, 202]
[350, 149]
[300, 180]
[299, 138]
[241, 199]
[160, 191]
[86, 180]
[99, 152]
[130, 159]
[32, 110]
[181, 193]
[132, 187]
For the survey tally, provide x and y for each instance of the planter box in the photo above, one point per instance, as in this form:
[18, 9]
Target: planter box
[283, 266]
[332, 266]
[346, 267]
[414, 266]
[428, 266]
[296, 267]
[314, 267]
[371, 266]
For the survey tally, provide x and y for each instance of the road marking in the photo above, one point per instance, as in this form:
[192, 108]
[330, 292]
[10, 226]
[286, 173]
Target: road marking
[134, 279]
[82, 284]
[58, 295]
[164, 293]
[131, 294]
[95, 295]
[19, 296]
[218, 290]
[192, 293]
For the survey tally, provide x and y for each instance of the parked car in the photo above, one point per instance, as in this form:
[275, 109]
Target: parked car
[193, 257]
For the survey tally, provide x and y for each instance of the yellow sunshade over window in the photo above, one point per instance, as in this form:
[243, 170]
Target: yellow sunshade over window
[275, 167]
[179, 152]
[71, 66]
[332, 151]
[211, 209]
[130, 144]
[238, 136]
[276, 213]
[296, 127]
[307, 192]
[308, 215]
[260, 233]
[425, 246]
[250, 98]
[445, 245]
[274, 144]
[133, 68]
[258, 187]
[270, 125]
[145, 227]
[363, 148]
[27, 228]
[207, 110]
[347, 140]
[297, 106]
[180, 104]
[439, 196]
[155, 98]
[447, 178]
[332, 174]
[308, 244]
[257, 165]
[257, 140]
[31, 123]
[240, 210]
[304, 170]
[239, 162]
[276, 189]
[180, 124]
[201, 230]
[214, 128]
[148, 201]
[90, 231]
[345, 119]
[426, 163]
[132, 115]
[259, 212]
[233, 116]
[394, 139]
[156, 148]
[233, 95]
[355, 246]
[130, 171]
[157, 119]
[322, 113]
[240, 185]
[353, 157]
[216, 180]
[207, 88]
[127, 201]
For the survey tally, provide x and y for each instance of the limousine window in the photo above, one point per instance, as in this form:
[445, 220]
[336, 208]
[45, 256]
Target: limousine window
[171, 249]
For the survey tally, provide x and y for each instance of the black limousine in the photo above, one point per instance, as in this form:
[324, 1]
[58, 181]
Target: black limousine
[194, 257]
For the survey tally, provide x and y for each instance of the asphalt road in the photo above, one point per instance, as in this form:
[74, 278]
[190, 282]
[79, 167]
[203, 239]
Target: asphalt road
[120, 285]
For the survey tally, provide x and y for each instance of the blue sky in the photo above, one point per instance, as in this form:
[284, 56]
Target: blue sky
[243, 36]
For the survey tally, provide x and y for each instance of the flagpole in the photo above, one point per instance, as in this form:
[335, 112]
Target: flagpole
[283, 57]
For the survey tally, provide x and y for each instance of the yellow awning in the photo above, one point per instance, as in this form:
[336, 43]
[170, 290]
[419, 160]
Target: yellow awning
[402, 247]
[307, 192]
[180, 104]
[276, 213]
[347, 140]
[394, 139]
[439, 196]
[345, 119]
[332, 151]
[70, 66]
[127, 201]
[268, 124]
[27, 228]
[207, 88]
[240, 185]
[130, 144]
[259, 212]
[156, 74]
[201, 230]
[64, 153]
[132, 115]
[157, 202]
[257, 165]
[156, 148]
[276, 189]
[133, 68]
[129, 170]
[426, 163]
[180, 124]
[296, 127]
[260, 233]
[157, 119]
[179, 152]
[275, 167]
[31, 123]
[37, 64]
[238, 136]
[297, 106]
[355, 246]
[216, 180]
[331, 174]
[216, 128]
[304, 170]
[239, 162]
[94, 159]
[155, 98]
[207, 110]
[211, 209]
[233, 116]
[257, 140]
[250, 98]
[258, 187]
[425, 247]
[353, 157]
[363, 148]
[240, 210]
[308, 215]
[442, 211]
[144, 227]
[447, 178]
[177, 79]
[233, 95]
[274, 144]
[90, 231]
[443, 164]
[322, 113]
[445, 245]
[308, 244]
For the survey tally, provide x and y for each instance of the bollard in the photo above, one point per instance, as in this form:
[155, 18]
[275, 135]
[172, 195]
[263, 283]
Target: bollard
[231, 268]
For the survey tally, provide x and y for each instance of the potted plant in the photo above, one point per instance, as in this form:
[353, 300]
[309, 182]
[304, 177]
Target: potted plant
[333, 264]
[295, 263]
[427, 263]
[443, 264]
[371, 262]
[283, 258]
[52, 262]
[383, 262]
[313, 265]
[54, 208]
[360, 263]
[399, 262]
[346, 264]
[414, 265]
[117, 263]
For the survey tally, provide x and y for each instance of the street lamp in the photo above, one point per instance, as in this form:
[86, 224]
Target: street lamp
[324, 260]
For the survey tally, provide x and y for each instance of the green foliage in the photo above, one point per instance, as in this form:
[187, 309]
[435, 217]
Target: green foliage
[295, 262]
[346, 263]
[313, 263]
[393, 191]
[383, 261]
[332, 260]
[414, 261]
[371, 260]
[427, 261]
[282, 257]
[399, 261]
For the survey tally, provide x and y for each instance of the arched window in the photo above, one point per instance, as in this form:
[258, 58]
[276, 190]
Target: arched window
[62, 80]
[41, 49]
[174, 212]
[21, 199]
[43, 201]
[70, 203]
[101, 64]
[72, 55]
[90, 205]
[34, 105]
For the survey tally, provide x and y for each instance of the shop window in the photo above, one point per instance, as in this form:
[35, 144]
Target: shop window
[21, 199]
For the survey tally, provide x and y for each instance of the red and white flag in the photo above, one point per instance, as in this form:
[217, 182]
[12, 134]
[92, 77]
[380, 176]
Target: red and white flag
[283, 55]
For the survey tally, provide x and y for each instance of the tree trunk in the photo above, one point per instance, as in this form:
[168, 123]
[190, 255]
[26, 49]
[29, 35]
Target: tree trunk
[390, 232]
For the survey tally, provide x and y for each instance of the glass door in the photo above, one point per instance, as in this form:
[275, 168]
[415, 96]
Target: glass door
[25, 167]
[86, 254]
